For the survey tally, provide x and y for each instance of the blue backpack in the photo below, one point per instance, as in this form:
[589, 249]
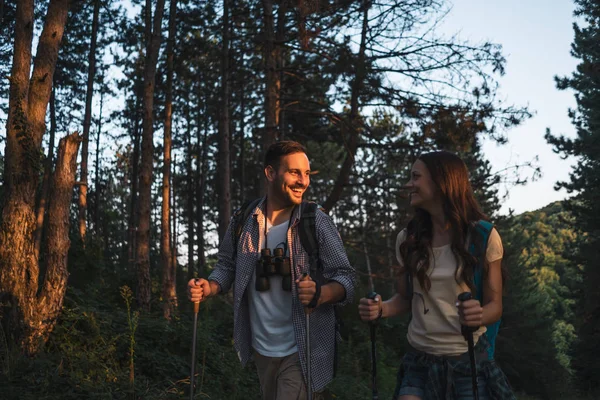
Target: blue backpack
[483, 230]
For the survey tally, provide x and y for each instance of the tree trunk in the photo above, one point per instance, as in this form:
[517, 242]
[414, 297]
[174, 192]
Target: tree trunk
[189, 183]
[201, 187]
[168, 290]
[87, 119]
[175, 238]
[43, 199]
[27, 317]
[242, 157]
[145, 196]
[351, 127]
[96, 217]
[48, 305]
[271, 76]
[280, 68]
[133, 211]
[224, 159]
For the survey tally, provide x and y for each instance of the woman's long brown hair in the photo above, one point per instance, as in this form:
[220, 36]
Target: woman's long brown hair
[451, 177]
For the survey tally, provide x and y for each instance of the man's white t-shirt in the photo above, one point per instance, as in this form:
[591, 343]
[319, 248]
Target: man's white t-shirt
[271, 311]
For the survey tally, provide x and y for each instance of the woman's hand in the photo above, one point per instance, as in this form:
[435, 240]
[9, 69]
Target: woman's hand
[470, 313]
[370, 310]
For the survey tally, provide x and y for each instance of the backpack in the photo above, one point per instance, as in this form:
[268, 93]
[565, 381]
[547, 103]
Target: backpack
[307, 230]
[483, 229]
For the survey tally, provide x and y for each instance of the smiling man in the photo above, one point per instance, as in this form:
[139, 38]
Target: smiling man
[271, 293]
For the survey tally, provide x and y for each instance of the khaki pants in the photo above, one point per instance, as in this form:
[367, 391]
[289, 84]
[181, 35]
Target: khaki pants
[280, 377]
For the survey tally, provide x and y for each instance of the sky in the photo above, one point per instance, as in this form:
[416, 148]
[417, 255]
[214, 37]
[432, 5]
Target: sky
[536, 37]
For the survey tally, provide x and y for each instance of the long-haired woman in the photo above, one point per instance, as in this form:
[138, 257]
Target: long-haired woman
[448, 248]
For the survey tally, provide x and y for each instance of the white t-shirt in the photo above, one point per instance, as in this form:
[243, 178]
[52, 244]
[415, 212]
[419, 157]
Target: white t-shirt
[271, 311]
[434, 327]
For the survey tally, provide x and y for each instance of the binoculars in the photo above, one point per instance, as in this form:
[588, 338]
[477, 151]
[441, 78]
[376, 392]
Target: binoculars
[271, 265]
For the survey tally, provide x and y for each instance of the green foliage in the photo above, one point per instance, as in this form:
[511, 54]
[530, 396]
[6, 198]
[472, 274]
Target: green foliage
[584, 183]
[536, 338]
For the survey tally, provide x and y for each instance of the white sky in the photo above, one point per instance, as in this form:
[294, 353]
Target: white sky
[536, 36]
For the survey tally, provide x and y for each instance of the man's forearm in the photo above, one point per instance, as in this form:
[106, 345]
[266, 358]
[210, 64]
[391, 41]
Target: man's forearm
[332, 292]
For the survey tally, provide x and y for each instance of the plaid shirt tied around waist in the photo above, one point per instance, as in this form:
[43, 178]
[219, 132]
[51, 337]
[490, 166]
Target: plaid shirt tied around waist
[336, 267]
[441, 371]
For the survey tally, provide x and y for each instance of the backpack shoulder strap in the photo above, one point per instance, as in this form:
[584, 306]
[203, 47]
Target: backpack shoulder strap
[307, 229]
[478, 248]
[240, 216]
[308, 233]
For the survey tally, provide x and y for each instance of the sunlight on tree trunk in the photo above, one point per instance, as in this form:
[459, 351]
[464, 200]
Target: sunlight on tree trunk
[168, 273]
[87, 120]
[145, 196]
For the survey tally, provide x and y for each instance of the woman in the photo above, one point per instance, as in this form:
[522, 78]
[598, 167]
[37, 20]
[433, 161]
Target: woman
[437, 253]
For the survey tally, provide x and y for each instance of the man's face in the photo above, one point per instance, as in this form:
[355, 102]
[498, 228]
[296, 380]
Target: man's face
[291, 179]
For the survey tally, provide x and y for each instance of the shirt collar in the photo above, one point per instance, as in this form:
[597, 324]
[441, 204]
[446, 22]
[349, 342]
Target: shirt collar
[260, 211]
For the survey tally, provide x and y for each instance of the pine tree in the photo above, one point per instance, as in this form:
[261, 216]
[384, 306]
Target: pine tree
[584, 181]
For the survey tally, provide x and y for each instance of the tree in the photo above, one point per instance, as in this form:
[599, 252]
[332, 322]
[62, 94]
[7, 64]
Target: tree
[29, 314]
[224, 163]
[153, 26]
[168, 267]
[87, 120]
[584, 182]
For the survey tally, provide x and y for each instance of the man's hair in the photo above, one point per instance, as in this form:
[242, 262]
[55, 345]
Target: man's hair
[281, 149]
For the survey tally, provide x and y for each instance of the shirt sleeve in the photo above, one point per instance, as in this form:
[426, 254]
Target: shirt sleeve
[336, 266]
[495, 251]
[399, 240]
[224, 272]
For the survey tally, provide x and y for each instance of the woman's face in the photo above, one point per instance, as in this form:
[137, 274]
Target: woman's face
[423, 191]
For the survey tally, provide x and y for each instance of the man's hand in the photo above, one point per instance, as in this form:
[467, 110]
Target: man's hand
[470, 313]
[198, 290]
[306, 290]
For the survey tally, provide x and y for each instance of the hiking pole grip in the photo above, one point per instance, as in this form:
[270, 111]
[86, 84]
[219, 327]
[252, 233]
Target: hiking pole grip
[467, 332]
[466, 329]
[373, 326]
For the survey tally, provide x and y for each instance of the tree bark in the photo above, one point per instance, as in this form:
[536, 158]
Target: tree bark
[133, 211]
[224, 159]
[168, 290]
[87, 119]
[145, 195]
[96, 217]
[46, 309]
[201, 186]
[174, 236]
[189, 186]
[352, 126]
[280, 68]
[242, 157]
[271, 76]
[43, 199]
[27, 316]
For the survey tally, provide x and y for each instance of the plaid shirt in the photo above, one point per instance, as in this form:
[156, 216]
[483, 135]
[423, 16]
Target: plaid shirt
[441, 371]
[336, 267]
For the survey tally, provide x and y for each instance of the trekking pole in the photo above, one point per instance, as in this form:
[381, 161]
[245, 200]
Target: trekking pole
[467, 332]
[373, 326]
[195, 330]
[307, 312]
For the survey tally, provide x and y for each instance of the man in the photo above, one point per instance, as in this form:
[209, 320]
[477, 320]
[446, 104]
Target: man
[269, 319]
